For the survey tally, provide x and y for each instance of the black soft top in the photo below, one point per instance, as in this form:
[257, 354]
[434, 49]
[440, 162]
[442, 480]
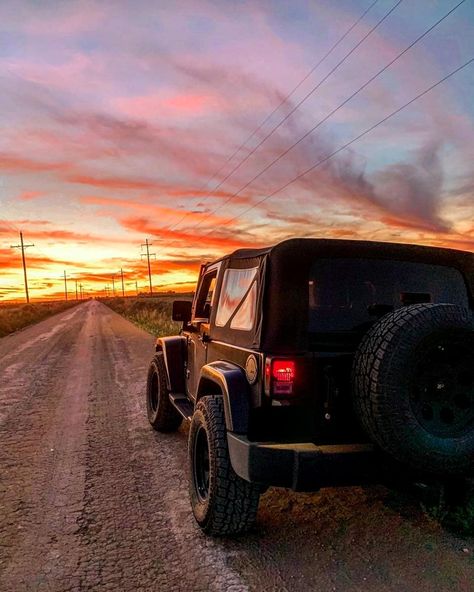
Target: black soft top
[300, 249]
[284, 269]
[330, 247]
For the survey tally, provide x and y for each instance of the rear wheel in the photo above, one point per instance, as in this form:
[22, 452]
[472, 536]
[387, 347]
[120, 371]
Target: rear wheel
[161, 413]
[222, 502]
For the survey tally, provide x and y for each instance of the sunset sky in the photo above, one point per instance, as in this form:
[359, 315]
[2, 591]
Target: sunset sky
[118, 119]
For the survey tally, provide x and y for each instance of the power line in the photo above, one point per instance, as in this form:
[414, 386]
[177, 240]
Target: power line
[331, 113]
[290, 113]
[22, 246]
[10, 224]
[282, 102]
[347, 144]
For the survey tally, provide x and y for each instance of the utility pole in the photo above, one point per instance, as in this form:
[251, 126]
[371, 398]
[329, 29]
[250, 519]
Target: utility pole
[113, 285]
[136, 286]
[123, 288]
[80, 290]
[148, 255]
[22, 246]
[76, 290]
[65, 285]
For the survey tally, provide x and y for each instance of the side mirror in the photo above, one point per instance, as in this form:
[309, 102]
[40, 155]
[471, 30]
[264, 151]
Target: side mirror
[182, 311]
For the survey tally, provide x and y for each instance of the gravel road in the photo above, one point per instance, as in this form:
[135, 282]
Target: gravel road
[92, 499]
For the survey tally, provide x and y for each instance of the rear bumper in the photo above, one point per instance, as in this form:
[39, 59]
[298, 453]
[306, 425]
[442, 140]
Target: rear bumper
[301, 467]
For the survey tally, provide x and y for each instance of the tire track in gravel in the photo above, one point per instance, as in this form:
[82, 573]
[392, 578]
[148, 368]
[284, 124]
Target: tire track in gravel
[42, 478]
[42, 345]
[189, 561]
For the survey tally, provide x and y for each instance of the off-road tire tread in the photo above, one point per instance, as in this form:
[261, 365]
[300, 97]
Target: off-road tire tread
[377, 355]
[166, 418]
[233, 502]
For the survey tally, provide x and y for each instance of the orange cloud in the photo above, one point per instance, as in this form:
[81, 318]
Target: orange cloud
[27, 195]
[11, 259]
[13, 163]
[151, 209]
[59, 235]
[454, 242]
[111, 182]
[407, 223]
[224, 243]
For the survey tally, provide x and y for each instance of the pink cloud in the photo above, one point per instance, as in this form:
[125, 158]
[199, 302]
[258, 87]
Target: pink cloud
[158, 105]
[63, 19]
[27, 195]
[79, 69]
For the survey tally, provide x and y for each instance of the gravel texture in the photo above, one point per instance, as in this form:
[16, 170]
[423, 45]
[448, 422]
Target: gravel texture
[92, 499]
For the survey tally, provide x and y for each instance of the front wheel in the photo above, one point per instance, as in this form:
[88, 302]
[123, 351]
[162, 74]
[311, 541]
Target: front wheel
[222, 502]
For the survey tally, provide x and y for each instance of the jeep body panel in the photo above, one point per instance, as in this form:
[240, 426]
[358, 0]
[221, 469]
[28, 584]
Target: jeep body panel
[239, 356]
[174, 354]
[231, 383]
[302, 466]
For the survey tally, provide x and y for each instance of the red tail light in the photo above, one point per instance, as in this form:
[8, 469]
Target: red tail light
[283, 370]
[279, 375]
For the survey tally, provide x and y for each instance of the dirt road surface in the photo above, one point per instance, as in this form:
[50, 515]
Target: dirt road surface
[92, 499]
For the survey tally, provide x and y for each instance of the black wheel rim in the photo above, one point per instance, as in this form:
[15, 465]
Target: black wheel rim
[201, 464]
[154, 392]
[442, 396]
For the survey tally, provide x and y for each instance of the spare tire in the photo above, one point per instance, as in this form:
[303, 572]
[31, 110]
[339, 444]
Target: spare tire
[413, 386]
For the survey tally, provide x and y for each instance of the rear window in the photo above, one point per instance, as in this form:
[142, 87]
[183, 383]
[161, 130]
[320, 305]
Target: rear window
[346, 294]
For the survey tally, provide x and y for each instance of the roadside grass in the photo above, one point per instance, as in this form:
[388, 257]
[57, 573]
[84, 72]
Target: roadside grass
[457, 517]
[17, 316]
[461, 519]
[151, 314]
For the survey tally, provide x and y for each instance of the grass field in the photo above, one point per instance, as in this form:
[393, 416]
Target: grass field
[152, 314]
[17, 316]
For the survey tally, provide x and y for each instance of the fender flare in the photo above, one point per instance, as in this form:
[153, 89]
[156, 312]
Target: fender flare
[228, 380]
[174, 352]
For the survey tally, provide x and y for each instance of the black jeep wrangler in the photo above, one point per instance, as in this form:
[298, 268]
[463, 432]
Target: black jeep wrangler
[300, 363]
